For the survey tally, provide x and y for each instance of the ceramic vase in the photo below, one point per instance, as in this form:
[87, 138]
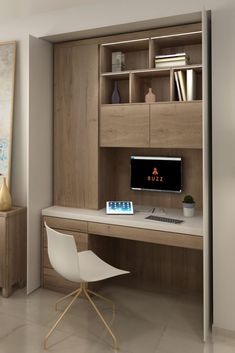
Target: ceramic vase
[5, 197]
[150, 97]
[116, 95]
[188, 209]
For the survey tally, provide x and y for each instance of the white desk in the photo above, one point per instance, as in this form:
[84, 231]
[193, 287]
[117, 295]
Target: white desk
[92, 228]
[135, 227]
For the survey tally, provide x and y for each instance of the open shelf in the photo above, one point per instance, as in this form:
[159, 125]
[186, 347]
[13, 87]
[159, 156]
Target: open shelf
[108, 84]
[166, 123]
[133, 85]
[189, 43]
[198, 81]
[136, 54]
[158, 80]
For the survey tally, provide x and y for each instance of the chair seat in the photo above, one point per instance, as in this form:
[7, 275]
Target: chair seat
[93, 269]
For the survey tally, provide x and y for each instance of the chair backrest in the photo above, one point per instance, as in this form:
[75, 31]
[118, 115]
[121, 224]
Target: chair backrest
[63, 254]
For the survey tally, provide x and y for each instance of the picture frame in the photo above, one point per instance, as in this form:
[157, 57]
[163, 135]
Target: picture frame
[7, 87]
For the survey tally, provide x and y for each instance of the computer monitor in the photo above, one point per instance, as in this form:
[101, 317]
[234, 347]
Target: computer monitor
[156, 173]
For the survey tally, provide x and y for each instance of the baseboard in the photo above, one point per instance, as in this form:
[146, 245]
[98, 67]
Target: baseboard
[218, 331]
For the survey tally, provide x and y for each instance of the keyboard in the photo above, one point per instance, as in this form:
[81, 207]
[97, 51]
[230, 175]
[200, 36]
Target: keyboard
[164, 219]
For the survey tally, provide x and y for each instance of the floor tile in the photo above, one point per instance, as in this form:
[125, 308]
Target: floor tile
[145, 322]
[29, 339]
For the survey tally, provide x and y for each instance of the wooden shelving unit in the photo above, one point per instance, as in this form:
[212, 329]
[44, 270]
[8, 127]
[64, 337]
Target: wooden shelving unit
[140, 72]
[165, 127]
[94, 139]
[134, 84]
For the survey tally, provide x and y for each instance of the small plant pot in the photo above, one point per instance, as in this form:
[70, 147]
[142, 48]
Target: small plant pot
[188, 209]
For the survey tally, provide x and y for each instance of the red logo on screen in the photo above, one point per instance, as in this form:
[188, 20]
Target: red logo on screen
[155, 176]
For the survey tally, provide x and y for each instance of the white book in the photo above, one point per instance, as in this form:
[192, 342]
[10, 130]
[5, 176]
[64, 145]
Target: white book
[191, 84]
[180, 58]
[178, 63]
[182, 82]
[178, 86]
[171, 56]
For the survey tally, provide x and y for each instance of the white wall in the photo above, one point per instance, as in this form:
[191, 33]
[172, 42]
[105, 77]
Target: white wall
[111, 12]
[40, 137]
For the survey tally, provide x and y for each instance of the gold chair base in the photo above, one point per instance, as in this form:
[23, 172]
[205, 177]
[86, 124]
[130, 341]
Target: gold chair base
[76, 294]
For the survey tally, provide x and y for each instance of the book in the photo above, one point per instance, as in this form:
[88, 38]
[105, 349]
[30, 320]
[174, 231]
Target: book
[178, 86]
[172, 60]
[182, 82]
[191, 84]
[171, 56]
[177, 63]
[179, 58]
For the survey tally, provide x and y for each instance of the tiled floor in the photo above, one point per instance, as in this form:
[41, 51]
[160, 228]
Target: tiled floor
[145, 323]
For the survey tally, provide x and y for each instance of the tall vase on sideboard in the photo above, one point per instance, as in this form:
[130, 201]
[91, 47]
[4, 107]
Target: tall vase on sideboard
[5, 197]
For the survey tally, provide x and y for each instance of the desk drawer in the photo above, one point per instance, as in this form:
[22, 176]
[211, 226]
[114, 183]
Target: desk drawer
[147, 235]
[66, 224]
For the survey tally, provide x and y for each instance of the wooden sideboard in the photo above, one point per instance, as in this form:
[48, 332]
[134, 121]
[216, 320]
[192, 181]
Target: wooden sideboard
[13, 246]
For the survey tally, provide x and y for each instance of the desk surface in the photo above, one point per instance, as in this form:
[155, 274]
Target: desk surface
[192, 226]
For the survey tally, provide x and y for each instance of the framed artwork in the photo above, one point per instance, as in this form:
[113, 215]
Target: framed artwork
[7, 83]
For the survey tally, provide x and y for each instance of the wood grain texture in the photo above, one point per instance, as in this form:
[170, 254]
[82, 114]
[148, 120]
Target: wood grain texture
[117, 168]
[66, 224]
[190, 43]
[164, 31]
[124, 125]
[146, 235]
[107, 174]
[194, 51]
[105, 90]
[105, 59]
[13, 245]
[3, 253]
[135, 88]
[76, 126]
[153, 266]
[138, 59]
[129, 45]
[176, 125]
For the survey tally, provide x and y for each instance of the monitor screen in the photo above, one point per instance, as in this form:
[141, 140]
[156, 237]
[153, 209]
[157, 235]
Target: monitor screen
[156, 173]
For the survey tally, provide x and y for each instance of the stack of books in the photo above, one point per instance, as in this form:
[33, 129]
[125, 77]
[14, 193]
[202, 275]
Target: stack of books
[185, 84]
[171, 60]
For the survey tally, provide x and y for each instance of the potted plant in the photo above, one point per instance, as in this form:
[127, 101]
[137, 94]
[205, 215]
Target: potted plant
[188, 206]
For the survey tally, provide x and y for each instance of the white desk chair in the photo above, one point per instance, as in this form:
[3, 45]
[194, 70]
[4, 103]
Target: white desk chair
[82, 267]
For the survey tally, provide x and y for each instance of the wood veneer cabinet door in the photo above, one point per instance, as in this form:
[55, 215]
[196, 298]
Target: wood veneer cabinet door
[12, 249]
[176, 125]
[124, 125]
[76, 126]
